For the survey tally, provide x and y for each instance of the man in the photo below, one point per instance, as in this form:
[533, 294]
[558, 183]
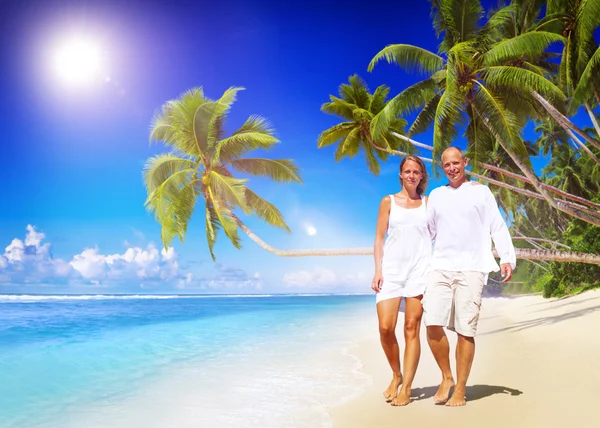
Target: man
[463, 219]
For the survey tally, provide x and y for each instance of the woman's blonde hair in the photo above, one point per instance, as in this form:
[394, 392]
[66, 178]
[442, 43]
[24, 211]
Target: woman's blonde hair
[423, 183]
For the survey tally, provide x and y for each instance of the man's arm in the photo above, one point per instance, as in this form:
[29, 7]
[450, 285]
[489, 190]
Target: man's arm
[500, 236]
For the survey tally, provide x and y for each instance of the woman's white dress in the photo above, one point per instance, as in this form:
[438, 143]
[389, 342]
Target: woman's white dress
[406, 252]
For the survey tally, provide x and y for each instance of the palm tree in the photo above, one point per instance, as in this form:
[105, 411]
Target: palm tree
[579, 68]
[480, 80]
[357, 107]
[551, 136]
[200, 165]
[563, 172]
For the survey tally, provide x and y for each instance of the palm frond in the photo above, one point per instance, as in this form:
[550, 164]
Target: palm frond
[174, 123]
[241, 143]
[225, 218]
[457, 19]
[411, 58]
[207, 117]
[265, 210]
[503, 123]
[496, 26]
[527, 45]
[227, 189]
[282, 170]
[520, 79]
[406, 101]
[161, 129]
[357, 92]
[378, 99]
[371, 159]
[334, 134]
[212, 228]
[171, 195]
[447, 112]
[586, 22]
[585, 87]
[553, 22]
[349, 145]
[425, 117]
[159, 168]
[338, 107]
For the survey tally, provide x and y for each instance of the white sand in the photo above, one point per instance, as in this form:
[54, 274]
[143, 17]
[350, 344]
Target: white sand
[537, 364]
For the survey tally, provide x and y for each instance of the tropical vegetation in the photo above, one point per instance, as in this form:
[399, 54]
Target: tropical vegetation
[495, 72]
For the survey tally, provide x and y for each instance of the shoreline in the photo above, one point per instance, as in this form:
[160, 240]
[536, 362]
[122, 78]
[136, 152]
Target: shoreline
[535, 365]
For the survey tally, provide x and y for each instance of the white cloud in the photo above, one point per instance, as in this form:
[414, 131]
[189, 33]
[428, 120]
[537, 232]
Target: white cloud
[30, 262]
[222, 278]
[320, 277]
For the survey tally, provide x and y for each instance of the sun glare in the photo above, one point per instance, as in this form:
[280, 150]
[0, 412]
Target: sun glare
[311, 231]
[78, 62]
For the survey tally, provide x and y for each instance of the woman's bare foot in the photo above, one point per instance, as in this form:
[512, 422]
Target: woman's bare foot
[443, 392]
[390, 393]
[403, 397]
[457, 399]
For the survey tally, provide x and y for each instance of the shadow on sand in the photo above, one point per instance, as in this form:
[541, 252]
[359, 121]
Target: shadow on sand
[523, 325]
[474, 392]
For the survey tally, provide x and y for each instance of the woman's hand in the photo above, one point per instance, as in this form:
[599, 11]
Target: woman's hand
[377, 282]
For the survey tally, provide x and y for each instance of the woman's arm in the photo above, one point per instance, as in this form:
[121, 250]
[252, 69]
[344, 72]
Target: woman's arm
[382, 224]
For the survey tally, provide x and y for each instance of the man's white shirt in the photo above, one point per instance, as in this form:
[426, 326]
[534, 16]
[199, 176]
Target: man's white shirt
[463, 222]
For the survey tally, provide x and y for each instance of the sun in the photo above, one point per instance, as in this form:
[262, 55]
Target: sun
[311, 230]
[78, 61]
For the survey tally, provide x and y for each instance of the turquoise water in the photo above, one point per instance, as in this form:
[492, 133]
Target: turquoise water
[128, 361]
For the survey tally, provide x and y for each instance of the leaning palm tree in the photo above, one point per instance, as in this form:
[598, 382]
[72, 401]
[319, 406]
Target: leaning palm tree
[200, 166]
[482, 81]
[576, 20]
[357, 107]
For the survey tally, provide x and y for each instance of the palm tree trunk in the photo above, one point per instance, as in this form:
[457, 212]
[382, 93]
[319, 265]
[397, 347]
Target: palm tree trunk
[507, 173]
[580, 146]
[593, 119]
[547, 241]
[563, 121]
[522, 253]
[559, 205]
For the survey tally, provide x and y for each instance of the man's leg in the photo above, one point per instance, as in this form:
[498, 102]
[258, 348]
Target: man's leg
[465, 352]
[437, 305]
[438, 342]
[467, 306]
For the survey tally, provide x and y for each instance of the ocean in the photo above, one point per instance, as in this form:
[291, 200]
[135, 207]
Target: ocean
[179, 361]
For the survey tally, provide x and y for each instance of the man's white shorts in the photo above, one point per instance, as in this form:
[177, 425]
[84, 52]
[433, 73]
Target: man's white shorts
[453, 300]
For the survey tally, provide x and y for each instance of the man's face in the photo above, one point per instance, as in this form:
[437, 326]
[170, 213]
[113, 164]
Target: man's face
[453, 164]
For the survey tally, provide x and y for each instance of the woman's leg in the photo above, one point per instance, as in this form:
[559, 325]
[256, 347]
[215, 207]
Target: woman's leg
[387, 313]
[412, 351]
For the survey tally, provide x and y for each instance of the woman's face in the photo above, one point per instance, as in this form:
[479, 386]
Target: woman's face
[411, 174]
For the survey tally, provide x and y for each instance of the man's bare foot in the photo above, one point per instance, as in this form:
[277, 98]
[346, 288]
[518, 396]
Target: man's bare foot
[390, 393]
[443, 392]
[457, 399]
[403, 397]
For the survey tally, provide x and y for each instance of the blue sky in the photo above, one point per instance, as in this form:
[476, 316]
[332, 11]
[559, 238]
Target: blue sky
[73, 217]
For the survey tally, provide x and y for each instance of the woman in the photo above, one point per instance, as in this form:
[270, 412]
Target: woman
[401, 262]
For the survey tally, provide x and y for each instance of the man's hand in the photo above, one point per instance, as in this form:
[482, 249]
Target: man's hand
[506, 271]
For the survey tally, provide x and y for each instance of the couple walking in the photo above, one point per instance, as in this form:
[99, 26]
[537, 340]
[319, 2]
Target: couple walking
[437, 256]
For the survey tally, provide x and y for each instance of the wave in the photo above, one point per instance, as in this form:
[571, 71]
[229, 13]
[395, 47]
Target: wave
[23, 298]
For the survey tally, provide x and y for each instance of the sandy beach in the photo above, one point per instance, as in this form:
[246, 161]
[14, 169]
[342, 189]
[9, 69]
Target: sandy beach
[536, 365]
